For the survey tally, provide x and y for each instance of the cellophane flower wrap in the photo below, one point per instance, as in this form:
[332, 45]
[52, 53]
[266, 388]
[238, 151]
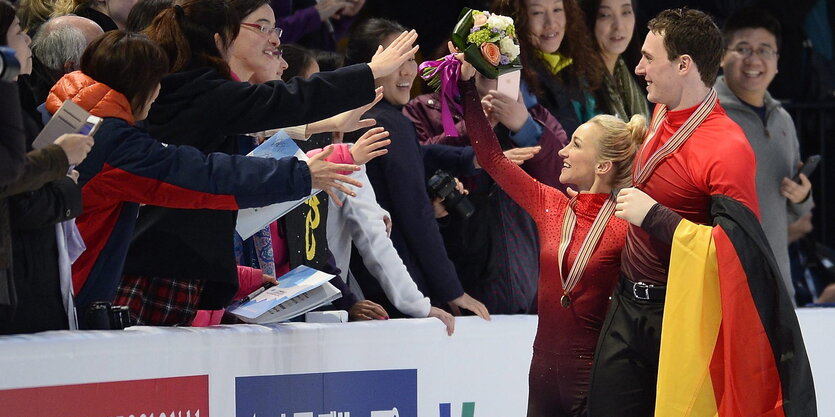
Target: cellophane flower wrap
[489, 44]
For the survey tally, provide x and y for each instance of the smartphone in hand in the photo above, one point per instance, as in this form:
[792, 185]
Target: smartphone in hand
[808, 167]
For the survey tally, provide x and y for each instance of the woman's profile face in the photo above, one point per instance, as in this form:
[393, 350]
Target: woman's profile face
[546, 24]
[397, 86]
[581, 157]
[19, 41]
[614, 26]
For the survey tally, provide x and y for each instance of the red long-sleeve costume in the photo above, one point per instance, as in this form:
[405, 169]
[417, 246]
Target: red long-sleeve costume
[567, 334]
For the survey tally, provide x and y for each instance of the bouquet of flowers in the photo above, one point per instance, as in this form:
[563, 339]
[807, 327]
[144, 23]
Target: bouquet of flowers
[489, 44]
[488, 41]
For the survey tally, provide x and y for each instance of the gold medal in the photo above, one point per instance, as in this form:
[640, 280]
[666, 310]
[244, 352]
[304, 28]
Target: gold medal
[565, 301]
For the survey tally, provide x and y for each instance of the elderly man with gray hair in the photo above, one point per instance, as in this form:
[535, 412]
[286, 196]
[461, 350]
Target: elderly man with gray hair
[57, 48]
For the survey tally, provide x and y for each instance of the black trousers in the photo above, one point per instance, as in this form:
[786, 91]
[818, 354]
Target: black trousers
[625, 369]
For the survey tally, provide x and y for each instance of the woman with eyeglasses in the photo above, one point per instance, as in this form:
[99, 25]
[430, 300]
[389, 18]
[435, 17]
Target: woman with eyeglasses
[256, 53]
[189, 253]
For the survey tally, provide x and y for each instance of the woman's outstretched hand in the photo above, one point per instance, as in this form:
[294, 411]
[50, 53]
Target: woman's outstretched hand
[367, 147]
[387, 60]
[325, 175]
[348, 121]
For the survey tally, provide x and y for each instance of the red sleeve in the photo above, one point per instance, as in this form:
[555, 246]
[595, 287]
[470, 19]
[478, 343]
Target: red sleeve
[521, 187]
[249, 279]
[734, 177]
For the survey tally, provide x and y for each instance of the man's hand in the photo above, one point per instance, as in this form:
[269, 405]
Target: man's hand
[446, 318]
[368, 145]
[367, 310]
[325, 175]
[387, 60]
[469, 303]
[75, 146]
[633, 205]
[796, 192]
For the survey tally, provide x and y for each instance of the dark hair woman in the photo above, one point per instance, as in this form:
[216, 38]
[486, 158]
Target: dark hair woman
[560, 64]
[612, 25]
[144, 12]
[200, 104]
[119, 80]
[399, 181]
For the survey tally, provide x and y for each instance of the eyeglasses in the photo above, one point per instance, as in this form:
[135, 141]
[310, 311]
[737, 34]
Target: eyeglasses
[746, 51]
[268, 30]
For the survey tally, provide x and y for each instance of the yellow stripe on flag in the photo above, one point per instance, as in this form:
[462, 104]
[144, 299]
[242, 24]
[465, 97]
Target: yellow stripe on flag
[692, 315]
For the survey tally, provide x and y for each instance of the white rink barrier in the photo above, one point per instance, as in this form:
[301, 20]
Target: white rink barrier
[394, 368]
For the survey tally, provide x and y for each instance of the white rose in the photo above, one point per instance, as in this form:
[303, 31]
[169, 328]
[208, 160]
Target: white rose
[499, 22]
[509, 48]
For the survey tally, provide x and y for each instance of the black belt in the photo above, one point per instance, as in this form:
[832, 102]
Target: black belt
[641, 290]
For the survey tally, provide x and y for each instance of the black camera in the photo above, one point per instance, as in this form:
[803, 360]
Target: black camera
[443, 185]
[101, 315]
[9, 65]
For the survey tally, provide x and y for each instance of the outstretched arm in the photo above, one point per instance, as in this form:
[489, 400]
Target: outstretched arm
[521, 187]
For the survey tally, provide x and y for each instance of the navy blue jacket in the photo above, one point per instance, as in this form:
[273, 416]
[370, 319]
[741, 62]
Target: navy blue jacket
[399, 179]
[202, 109]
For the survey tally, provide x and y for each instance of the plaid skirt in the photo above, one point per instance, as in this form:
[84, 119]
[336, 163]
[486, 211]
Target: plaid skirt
[155, 301]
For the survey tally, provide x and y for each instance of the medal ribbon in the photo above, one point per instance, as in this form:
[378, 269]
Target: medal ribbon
[643, 171]
[569, 220]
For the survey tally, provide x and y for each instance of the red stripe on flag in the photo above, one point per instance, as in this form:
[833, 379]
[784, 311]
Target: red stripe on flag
[743, 370]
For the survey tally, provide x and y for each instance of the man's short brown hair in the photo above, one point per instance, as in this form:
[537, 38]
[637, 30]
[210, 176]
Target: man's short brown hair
[691, 32]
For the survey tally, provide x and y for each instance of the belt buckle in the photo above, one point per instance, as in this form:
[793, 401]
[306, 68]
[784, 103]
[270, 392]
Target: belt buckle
[643, 287]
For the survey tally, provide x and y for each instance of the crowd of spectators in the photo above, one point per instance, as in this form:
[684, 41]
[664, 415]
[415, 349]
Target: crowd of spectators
[142, 214]
[145, 210]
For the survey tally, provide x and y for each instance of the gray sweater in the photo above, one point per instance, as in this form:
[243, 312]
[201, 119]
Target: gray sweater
[778, 154]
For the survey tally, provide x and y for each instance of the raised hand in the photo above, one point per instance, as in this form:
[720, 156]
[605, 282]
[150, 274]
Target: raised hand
[469, 303]
[511, 113]
[348, 121]
[325, 175]
[75, 146]
[328, 8]
[367, 147]
[352, 8]
[467, 69]
[519, 155]
[387, 60]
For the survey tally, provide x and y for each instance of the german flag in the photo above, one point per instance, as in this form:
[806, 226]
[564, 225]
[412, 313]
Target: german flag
[730, 342]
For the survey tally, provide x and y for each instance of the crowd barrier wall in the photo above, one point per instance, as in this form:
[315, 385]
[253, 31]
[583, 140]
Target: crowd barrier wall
[394, 368]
